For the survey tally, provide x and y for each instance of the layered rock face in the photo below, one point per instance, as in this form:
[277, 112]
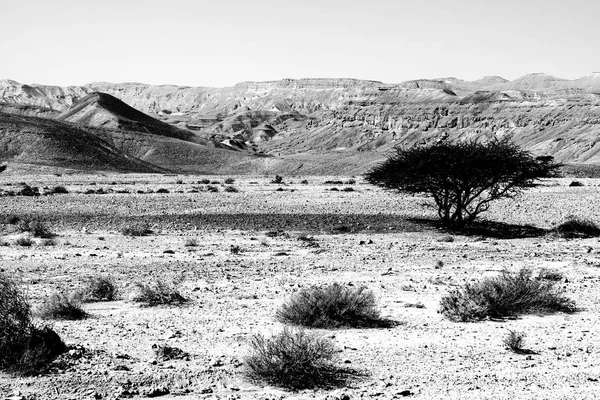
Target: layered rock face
[546, 115]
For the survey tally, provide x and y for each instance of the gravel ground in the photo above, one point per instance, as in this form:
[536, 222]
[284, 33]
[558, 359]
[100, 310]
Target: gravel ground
[364, 237]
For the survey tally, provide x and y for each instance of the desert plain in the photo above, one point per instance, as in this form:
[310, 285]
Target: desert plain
[237, 256]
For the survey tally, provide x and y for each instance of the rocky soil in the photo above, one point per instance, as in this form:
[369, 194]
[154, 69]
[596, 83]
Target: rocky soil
[363, 237]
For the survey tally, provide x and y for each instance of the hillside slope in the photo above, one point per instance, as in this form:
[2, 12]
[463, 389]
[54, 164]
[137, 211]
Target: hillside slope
[45, 142]
[105, 111]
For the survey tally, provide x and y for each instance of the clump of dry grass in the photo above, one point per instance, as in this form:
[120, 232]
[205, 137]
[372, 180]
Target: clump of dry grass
[98, 288]
[575, 227]
[292, 359]
[510, 293]
[35, 227]
[514, 341]
[332, 306]
[157, 293]
[24, 347]
[136, 230]
[62, 307]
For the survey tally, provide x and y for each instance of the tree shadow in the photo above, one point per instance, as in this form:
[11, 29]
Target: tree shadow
[487, 229]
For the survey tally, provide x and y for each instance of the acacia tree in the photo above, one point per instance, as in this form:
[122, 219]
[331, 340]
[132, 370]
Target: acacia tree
[462, 178]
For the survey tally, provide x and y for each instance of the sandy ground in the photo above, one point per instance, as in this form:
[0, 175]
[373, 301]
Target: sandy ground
[364, 237]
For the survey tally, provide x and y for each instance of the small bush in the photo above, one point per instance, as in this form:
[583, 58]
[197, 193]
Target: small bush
[234, 249]
[59, 190]
[510, 293]
[136, 230]
[27, 190]
[12, 220]
[24, 348]
[229, 181]
[191, 242]
[575, 227]
[231, 189]
[550, 274]
[157, 293]
[514, 341]
[98, 288]
[331, 306]
[59, 306]
[278, 179]
[24, 241]
[309, 241]
[36, 228]
[292, 359]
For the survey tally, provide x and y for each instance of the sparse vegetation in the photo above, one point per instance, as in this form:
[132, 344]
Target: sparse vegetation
[292, 359]
[462, 178]
[550, 274]
[191, 242]
[24, 241]
[157, 293]
[331, 306]
[510, 293]
[36, 228]
[27, 190]
[60, 306]
[98, 288]
[514, 341]
[136, 230]
[576, 227]
[59, 190]
[24, 347]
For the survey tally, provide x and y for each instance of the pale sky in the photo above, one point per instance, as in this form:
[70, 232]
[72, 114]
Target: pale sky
[223, 42]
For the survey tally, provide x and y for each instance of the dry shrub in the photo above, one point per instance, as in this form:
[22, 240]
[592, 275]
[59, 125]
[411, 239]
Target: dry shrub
[575, 227]
[332, 306]
[24, 348]
[514, 341]
[60, 306]
[191, 242]
[59, 190]
[36, 228]
[293, 359]
[98, 288]
[24, 241]
[136, 230]
[510, 293]
[157, 293]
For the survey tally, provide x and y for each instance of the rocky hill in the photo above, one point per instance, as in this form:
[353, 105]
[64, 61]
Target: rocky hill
[300, 119]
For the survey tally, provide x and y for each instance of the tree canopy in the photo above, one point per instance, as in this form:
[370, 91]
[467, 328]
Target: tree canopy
[462, 178]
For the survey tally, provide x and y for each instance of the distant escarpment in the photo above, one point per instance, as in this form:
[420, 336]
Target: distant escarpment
[296, 120]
